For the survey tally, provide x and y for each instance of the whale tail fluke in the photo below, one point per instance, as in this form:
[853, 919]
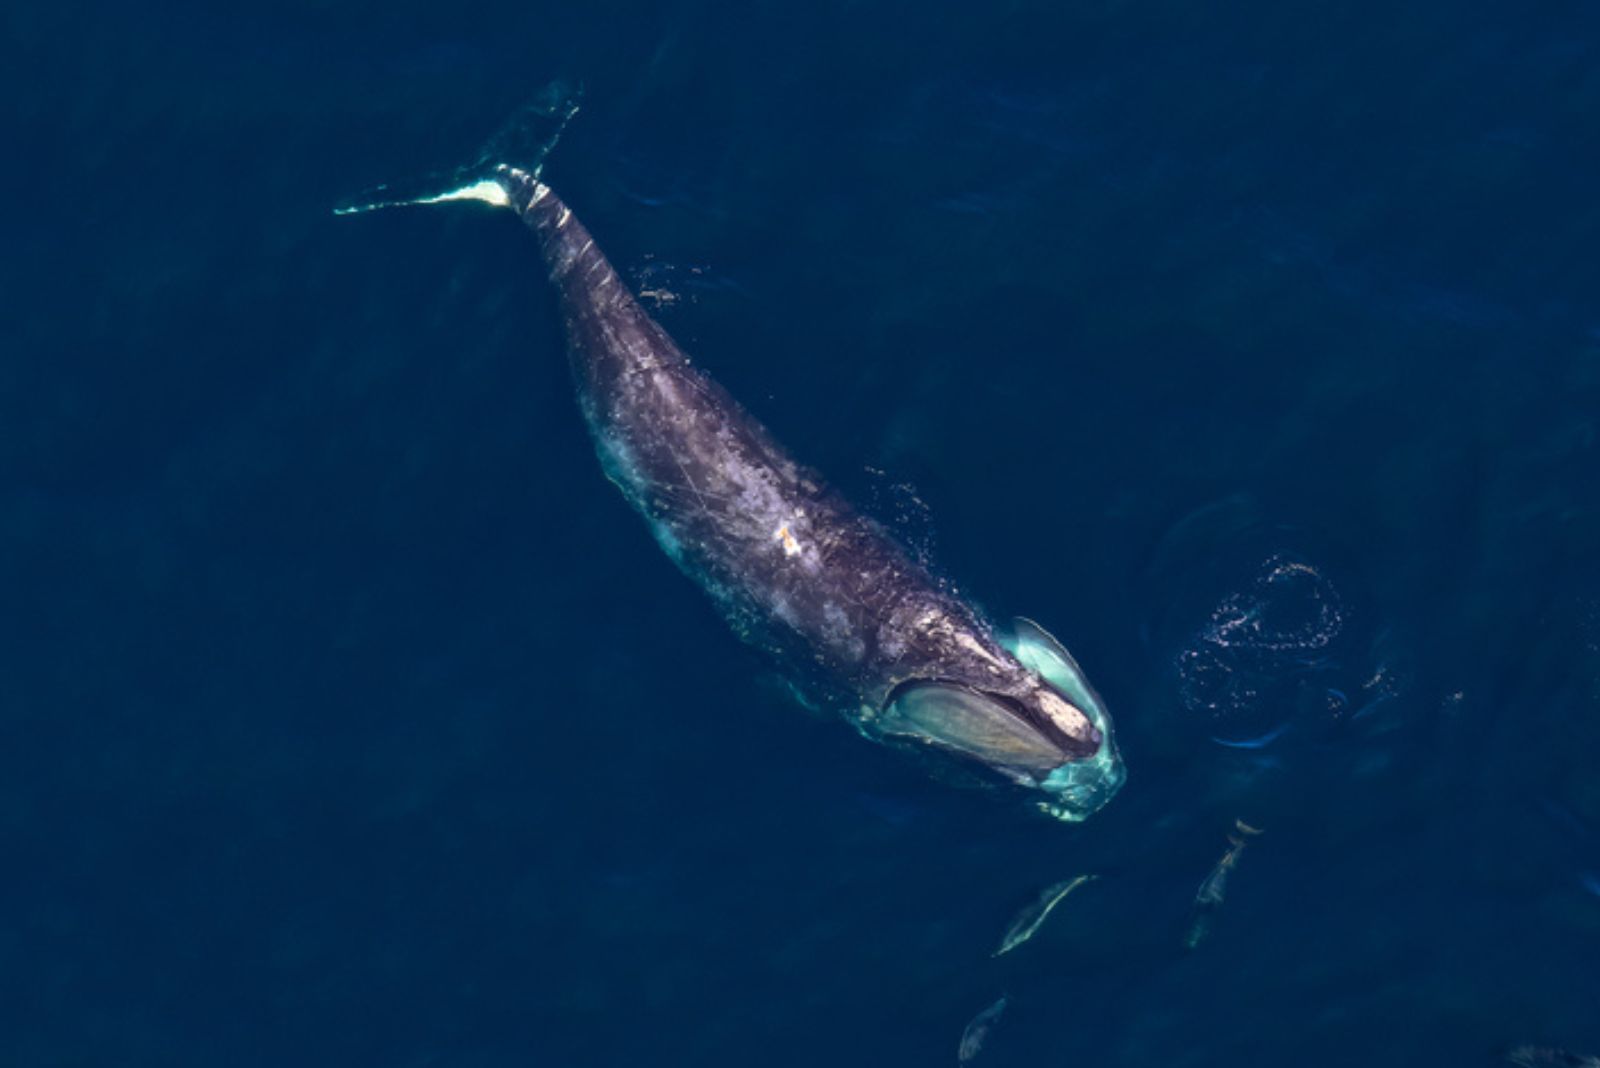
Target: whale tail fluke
[521, 144]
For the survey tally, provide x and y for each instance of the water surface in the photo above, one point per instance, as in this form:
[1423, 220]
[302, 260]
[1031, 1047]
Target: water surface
[350, 717]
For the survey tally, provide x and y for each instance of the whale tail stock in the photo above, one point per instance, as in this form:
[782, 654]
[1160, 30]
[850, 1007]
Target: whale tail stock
[527, 138]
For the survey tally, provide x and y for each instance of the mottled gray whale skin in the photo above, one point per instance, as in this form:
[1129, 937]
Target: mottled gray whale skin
[859, 624]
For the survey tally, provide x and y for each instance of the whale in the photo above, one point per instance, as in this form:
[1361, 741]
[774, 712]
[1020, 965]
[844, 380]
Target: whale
[854, 621]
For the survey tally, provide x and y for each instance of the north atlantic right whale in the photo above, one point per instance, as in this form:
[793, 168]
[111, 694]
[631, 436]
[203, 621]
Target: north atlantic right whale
[855, 622]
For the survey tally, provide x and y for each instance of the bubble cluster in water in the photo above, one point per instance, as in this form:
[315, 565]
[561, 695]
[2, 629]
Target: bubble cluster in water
[1255, 662]
[1289, 609]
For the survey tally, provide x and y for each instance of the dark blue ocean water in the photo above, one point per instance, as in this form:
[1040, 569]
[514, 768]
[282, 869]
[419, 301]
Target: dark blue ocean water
[348, 716]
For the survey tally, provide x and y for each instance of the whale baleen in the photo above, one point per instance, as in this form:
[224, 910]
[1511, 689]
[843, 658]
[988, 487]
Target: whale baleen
[856, 622]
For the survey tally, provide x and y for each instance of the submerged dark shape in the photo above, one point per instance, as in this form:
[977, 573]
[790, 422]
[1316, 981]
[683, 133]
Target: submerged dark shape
[1026, 923]
[856, 621]
[1549, 1057]
[977, 1031]
[1208, 899]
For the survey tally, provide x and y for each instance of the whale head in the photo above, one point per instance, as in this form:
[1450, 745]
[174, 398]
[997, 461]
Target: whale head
[1043, 728]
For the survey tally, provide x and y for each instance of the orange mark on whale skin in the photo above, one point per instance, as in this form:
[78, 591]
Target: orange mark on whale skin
[790, 546]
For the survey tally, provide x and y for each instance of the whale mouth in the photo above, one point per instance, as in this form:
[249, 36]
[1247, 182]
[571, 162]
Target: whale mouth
[1068, 758]
[990, 728]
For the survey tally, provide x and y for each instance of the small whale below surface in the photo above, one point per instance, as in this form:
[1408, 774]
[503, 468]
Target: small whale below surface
[855, 622]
